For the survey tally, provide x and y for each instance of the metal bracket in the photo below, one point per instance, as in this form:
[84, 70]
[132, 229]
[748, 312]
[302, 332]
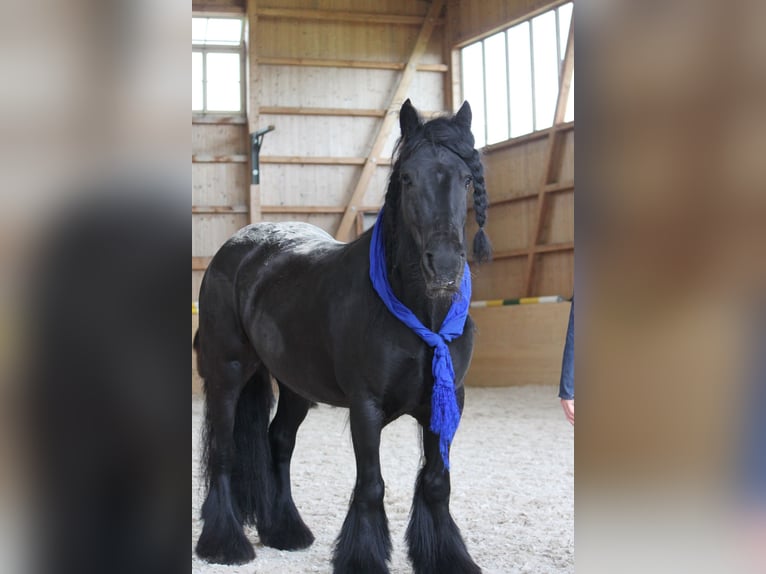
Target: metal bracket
[256, 140]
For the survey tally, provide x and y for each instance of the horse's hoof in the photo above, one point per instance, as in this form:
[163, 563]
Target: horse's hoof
[295, 537]
[232, 549]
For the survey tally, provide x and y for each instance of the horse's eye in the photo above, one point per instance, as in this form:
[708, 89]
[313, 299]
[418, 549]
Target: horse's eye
[406, 179]
[468, 181]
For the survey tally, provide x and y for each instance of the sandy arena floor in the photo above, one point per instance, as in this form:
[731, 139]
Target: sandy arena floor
[512, 485]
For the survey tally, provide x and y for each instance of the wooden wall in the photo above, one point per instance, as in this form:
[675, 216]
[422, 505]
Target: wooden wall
[325, 79]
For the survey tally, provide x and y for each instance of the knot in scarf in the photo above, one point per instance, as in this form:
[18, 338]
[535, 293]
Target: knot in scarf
[445, 414]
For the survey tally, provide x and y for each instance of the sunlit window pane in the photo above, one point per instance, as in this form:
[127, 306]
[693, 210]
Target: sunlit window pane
[546, 74]
[497, 88]
[197, 85]
[569, 114]
[565, 15]
[473, 88]
[520, 76]
[224, 31]
[223, 82]
[221, 31]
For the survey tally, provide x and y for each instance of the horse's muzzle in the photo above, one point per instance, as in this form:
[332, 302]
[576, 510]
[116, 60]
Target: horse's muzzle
[443, 265]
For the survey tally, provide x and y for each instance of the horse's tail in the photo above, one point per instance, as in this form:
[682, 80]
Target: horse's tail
[253, 479]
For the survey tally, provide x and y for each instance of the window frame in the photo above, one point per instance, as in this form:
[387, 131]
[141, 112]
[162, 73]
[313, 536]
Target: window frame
[526, 18]
[209, 48]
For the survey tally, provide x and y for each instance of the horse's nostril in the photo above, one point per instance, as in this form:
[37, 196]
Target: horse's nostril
[430, 261]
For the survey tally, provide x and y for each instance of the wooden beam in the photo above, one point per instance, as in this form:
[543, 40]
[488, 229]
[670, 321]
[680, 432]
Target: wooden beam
[319, 160]
[359, 223]
[209, 119]
[552, 155]
[220, 209]
[287, 111]
[253, 104]
[335, 63]
[538, 135]
[340, 16]
[215, 9]
[537, 250]
[321, 209]
[329, 63]
[211, 158]
[200, 263]
[338, 112]
[550, 188]
[401, 89]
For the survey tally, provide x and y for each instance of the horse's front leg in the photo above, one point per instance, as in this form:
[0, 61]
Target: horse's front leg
[434, 540]
[364, 544]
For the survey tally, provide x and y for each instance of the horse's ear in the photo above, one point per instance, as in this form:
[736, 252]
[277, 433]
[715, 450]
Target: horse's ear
[408, 118]
[464, 116]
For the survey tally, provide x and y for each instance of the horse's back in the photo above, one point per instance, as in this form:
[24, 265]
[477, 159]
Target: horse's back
[267, 243]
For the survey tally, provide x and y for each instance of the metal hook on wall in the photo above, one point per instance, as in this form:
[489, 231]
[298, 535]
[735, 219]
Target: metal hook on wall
[256, 140]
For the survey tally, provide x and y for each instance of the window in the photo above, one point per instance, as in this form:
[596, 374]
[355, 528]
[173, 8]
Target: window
[512, 78]
[217, 64]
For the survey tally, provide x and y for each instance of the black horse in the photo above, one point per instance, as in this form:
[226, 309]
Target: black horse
[285, 300]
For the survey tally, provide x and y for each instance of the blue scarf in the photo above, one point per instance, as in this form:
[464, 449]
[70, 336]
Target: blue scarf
[445, 415]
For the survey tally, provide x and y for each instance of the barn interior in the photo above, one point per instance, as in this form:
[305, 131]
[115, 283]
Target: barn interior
[295, 118]
[330, 77]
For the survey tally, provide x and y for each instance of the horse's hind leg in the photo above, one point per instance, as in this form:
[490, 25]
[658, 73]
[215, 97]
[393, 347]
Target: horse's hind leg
[285, 530]
[223, 540]
[434, 540]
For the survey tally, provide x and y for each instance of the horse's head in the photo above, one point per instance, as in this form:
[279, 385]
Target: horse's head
[436, 167]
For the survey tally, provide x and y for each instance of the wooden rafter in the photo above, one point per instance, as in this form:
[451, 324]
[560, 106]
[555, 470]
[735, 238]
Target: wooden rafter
[402, 87]
[553, 157]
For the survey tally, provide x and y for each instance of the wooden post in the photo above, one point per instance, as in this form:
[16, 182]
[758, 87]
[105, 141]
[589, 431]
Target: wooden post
[552, 158]
[253, 112]
[384, 129]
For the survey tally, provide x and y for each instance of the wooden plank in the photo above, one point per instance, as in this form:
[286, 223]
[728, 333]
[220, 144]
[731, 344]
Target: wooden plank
[335, 63]
[341, 16]
[518, 345]
[209, 119]
[329, 63]
[534, 136]
[200, 263]
[319, 160]
[220, 209]
[301, 111]
[538, 249]
[211, 158]
[402, 87]
[550, 188]
[553, 153]
[441, 68]
[253, 104]
[315, 208]
[359, 223]
[207, 9]
[339, 112]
